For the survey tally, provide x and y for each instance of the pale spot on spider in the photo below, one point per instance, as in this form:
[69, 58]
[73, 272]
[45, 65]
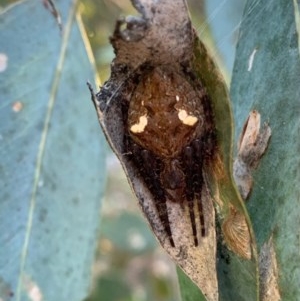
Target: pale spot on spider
[177, 98]
[186, 119]
[140, 126]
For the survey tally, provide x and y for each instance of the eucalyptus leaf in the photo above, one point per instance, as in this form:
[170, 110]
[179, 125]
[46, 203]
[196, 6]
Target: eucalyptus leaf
[160, 43]
[188, 289]
[266, 77]
[52, 159]
[246, 271]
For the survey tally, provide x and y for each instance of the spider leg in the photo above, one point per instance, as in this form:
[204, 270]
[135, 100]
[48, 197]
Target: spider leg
[149, 167]
[198, 182]
[190, 195]
[192, 157]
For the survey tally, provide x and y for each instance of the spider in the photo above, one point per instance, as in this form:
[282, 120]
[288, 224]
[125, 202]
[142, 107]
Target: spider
[170, 136]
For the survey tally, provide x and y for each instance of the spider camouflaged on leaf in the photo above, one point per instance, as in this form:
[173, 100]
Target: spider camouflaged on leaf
[156, 115]
[165, 112]
[171, 138]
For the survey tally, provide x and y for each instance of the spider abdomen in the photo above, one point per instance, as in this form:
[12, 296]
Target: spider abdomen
[165, 112]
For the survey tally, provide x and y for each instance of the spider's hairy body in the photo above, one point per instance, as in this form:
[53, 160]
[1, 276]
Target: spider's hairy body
[171, 128]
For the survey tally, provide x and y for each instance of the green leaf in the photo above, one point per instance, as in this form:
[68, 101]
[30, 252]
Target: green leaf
[267, 78]
[188, 289]
[232, 271]
[52, 156]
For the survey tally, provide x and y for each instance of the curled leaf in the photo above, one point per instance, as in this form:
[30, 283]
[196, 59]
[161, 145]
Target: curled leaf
[166, 114]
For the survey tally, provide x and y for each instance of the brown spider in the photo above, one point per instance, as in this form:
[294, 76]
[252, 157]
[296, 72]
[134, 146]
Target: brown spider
[170, 136]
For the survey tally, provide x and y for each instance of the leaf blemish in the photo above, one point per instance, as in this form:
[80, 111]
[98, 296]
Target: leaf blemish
[17, 106]
[3, 62]
[251, 59]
